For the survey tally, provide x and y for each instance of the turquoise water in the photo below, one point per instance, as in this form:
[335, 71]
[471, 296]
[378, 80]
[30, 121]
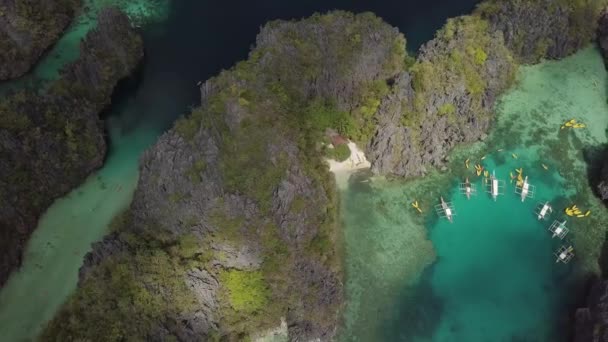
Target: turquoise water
[495, 273]
[491, 275]
[54, 253]
[64, 235]
[67, 48]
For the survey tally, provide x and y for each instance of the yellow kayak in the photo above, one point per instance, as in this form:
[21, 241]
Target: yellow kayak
[514, 155]
[580, 215]
[484, 157]
[545, 166]
[588, 213]
[466, 163]
[486, 174]
[416, 206]
[520, 170]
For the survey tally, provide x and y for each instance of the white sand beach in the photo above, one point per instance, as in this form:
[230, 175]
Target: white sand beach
[342, 170]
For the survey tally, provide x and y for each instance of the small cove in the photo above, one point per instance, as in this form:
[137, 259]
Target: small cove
[491, 275]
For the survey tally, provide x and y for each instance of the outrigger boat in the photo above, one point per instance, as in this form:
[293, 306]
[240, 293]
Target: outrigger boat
[495, 187]
[467, 188]
[564, 254]
[559, 229]
[445, 210]
[542, 210]
[525, 189]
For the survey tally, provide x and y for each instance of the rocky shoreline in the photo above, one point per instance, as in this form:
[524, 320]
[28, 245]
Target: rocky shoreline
[447, 97]
[50, 142]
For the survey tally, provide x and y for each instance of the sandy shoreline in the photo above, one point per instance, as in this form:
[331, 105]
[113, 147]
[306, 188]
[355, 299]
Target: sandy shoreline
[343, 170]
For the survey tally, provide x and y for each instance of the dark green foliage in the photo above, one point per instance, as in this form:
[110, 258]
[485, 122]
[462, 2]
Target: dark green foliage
[194, 172]
[121, 289]
[38, 24]
[246, 165]
[339, 153]
[319, 116]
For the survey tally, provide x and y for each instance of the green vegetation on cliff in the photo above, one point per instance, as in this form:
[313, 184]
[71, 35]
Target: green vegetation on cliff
[123, 306]
[469, 42]
[535, 29]
[29, 28]
[53, 139]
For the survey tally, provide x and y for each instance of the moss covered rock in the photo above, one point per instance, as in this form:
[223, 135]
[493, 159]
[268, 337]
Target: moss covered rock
[28, 28]
[263, 207]
[535, 29]
[50, 142]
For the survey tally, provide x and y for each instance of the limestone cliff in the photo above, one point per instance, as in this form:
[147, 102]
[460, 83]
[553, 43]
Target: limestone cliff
[50, 142]
[445, 98]
[447, 95]
[535, 29]
[27, 29]
[592, 320]
[233, 223]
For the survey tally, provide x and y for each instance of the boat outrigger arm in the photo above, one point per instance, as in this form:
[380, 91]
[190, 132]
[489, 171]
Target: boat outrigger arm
[558, 229]
[564, 254]
[495, 187]
[445, 210]
[525, 189]
[468, 189]
[543, 210]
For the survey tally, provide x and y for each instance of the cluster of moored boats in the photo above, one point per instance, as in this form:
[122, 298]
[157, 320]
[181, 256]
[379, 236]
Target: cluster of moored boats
[495, 187]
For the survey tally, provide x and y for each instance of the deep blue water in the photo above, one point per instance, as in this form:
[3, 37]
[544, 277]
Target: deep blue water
[200, 38]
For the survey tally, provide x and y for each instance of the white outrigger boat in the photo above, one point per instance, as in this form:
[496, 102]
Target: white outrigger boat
[495, 187]
[525, 189]
[468, 189]
[564, 254]
[445, 210]
[559, 229]
[543, 210]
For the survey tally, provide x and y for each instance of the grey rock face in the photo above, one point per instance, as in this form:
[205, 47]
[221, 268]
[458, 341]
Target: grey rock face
[339, 76]
[408, 151]
[592, 321]
[27, 29]
[602, 34]
[542, 29]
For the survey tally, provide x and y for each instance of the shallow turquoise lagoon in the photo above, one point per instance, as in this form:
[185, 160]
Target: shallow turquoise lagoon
[490, 276]
[495, 275]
